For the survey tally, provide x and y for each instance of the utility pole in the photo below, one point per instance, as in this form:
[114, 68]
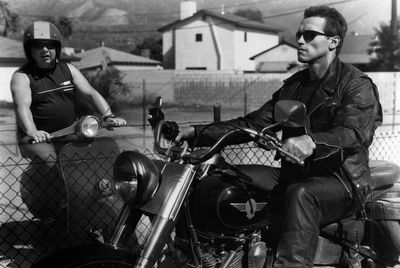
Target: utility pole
[393, 29]
[393, 33]
[393, 21]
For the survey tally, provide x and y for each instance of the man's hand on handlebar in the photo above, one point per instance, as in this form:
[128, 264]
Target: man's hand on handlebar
[114, 122]
[39, 136]
[184, 134]
[301, 147]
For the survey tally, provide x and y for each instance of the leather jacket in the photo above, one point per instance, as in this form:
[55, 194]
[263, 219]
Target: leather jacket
[342, 116]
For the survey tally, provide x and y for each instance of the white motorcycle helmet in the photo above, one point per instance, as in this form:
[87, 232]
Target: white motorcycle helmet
[41, 30]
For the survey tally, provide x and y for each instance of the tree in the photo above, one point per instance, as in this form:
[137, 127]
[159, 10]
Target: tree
[251, 14]
[153, 44]
[63, 24]
[11, 19]
[384, 48]
[109, 83]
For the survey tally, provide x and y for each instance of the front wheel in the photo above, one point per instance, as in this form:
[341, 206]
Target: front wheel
[88, 256]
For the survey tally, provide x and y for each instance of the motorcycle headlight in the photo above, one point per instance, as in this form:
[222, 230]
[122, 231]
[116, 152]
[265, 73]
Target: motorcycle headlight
[89, 126]
[136, 177]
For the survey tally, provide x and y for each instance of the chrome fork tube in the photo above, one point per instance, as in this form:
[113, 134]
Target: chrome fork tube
[121, 227]
[164, 222]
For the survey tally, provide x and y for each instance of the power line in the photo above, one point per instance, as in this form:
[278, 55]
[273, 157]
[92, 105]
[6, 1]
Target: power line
[150, 14]
[222, 23]
[113, 31]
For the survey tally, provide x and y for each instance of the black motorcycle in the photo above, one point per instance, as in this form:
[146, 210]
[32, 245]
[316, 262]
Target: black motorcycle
[192, 209]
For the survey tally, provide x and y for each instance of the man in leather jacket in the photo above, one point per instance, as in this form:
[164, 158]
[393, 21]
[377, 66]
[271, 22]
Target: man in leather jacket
[343, 111]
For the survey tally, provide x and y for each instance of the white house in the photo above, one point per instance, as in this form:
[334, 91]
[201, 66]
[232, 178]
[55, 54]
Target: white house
[12, 56]
[207, 40]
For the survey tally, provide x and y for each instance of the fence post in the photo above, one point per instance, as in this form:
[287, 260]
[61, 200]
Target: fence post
[217, 112]
[394, 102]
[245, 97]
[144, 112]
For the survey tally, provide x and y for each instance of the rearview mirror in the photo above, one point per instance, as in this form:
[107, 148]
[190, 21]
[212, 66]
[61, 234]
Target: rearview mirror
[158, 103]
[290, 113]
[155, 113]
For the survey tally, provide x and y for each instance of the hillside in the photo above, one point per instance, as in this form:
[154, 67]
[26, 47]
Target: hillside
[124, 23]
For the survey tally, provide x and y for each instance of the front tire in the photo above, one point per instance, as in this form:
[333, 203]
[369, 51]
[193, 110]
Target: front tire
[87, 256]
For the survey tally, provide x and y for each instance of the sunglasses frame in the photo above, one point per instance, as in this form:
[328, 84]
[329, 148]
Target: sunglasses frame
[307, 32]
[42, 44]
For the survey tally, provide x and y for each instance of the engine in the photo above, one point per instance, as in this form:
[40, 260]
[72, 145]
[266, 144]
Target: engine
[225, 225]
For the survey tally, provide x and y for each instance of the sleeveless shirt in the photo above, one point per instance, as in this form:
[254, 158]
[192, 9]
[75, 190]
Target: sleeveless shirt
[53, 103]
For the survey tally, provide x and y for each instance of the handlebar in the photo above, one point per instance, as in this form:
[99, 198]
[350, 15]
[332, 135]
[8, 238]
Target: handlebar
[265, 141]
[86, 127]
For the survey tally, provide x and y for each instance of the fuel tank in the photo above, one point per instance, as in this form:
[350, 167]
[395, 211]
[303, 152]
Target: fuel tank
[221, 206]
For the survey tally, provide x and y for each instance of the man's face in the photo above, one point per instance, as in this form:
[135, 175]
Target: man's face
[44, 53]
[312, 42]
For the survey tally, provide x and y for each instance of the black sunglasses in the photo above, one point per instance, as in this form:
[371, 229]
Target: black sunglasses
[41, 45]
[308, 35]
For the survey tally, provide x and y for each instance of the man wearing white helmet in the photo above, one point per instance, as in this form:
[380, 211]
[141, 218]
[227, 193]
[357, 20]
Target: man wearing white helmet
[43, 91]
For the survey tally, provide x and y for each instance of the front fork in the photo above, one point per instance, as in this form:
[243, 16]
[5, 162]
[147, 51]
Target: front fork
[163, 222]
[128, 219]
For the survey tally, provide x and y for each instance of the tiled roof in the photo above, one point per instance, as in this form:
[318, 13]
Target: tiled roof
[230, 18]
[355, 48]
[11, 49]
[98, 56]
[272, 48]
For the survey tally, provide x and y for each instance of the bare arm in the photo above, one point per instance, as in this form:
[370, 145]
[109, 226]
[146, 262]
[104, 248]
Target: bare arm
[83, 86]
[21, 93]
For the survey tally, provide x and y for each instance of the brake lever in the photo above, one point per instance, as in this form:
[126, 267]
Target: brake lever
[271, 143]
[295, 158]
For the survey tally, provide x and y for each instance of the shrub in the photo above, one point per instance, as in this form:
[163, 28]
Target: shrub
[109, 84]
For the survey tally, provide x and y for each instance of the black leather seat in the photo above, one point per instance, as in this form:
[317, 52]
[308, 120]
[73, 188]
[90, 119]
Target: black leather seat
[383, 173]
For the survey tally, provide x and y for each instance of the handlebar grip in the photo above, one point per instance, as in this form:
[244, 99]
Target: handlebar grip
[295, 158]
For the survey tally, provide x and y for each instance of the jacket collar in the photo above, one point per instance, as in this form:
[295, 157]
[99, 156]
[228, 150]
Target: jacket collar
[332, 77]
[328, 86]
[325, 91]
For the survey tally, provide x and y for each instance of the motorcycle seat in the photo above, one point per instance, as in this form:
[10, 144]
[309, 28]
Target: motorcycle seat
[383, 173]
[349, 229]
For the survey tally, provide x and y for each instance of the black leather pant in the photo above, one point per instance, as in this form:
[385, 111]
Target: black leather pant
[305, 204]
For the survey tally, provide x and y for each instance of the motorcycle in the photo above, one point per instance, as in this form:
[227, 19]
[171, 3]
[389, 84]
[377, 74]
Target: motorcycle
[204, 212]
[74, 196]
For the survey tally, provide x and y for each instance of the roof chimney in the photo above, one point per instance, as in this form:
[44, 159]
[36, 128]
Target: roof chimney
[188, 8]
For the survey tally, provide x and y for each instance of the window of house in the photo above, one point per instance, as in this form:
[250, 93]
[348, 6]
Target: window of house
[245, 36]
[199, 37]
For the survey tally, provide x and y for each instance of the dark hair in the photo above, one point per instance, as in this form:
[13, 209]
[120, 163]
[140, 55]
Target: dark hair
[335, 22]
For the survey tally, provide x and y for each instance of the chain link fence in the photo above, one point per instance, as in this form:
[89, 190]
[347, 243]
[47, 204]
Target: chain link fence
[48, 206]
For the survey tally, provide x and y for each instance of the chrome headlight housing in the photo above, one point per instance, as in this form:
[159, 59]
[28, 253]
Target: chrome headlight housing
[136, 177]
[88, 126]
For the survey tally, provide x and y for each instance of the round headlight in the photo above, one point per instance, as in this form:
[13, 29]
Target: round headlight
[89, 126]
[136, 177]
